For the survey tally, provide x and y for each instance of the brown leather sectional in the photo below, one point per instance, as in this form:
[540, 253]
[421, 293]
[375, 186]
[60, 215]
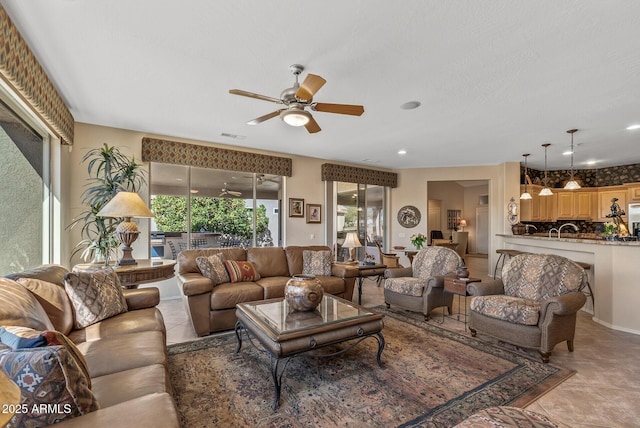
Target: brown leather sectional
[213, 308]
[126, 355]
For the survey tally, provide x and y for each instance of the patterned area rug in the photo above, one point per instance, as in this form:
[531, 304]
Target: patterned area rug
[432, 377]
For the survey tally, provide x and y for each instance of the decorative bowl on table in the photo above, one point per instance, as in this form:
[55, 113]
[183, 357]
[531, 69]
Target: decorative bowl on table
[303, 292]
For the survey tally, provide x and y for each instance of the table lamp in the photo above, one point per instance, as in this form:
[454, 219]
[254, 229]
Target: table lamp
[462, 224]
[127, 205]
[352, 242]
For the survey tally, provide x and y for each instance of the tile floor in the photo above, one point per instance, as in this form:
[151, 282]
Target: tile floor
[604, 392]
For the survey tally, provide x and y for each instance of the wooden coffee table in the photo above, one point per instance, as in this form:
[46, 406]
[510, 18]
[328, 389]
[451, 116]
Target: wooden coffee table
[283, 333]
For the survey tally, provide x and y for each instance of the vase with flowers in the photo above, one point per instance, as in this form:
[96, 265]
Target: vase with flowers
[418, 240]
[609, 230]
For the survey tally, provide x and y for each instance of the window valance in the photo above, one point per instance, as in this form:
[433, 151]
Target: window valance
[351, 174]
[173, 152]
[20, 69]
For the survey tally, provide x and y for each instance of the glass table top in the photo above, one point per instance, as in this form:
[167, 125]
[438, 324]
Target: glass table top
[283, 319]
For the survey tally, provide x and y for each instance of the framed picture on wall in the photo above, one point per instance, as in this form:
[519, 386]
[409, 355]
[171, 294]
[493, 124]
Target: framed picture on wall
[296, 207]
[314, 213]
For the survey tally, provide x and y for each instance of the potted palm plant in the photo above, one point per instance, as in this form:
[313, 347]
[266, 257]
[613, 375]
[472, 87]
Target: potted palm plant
[110, 171]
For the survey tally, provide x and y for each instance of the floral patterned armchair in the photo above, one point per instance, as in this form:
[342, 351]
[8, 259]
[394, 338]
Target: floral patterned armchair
[419, 288]
[533, 306]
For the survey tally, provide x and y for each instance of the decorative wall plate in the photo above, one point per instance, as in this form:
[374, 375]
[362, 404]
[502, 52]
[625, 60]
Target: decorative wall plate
[409, 216]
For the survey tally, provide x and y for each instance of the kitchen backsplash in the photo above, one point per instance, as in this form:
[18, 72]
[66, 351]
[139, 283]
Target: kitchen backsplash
[610, 176]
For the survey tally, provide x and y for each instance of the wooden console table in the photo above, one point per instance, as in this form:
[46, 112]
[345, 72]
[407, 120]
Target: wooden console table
[133, 275]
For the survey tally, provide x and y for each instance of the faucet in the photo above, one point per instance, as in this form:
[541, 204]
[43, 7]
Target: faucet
[526, 228]
[575, 228]
[552, 230]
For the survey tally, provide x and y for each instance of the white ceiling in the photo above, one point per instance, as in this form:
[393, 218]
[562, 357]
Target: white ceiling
[496, 79]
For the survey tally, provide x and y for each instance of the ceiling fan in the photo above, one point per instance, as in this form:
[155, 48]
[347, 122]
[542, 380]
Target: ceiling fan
[297, 99]
[226, 192]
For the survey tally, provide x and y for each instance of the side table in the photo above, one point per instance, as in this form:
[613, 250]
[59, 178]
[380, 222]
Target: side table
[457, 286]
[368, 271]
[148, 270]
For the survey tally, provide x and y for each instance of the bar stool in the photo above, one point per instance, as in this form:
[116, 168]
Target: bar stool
[504, 253]
[587, 266]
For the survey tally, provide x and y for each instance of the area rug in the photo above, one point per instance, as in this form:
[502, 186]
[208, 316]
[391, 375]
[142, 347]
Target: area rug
[432, 377]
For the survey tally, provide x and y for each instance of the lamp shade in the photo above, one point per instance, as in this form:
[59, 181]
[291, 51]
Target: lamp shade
[463, 223]
[545, 192]
[351, 241]
[126, 204]
[295, 117]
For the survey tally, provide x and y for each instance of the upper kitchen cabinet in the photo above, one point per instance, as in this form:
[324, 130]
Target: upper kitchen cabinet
[581, 204]
[605, 195]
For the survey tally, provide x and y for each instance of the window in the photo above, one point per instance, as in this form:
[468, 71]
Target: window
[209, 208]
[25, 195]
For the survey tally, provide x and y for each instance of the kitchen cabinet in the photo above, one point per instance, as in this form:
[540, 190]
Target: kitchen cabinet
[548, 207]
[634, 193]
[538, 208]
[605, 195]
[577, 204]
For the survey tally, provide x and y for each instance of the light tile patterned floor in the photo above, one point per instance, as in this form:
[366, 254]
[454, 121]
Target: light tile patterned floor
[603, 393]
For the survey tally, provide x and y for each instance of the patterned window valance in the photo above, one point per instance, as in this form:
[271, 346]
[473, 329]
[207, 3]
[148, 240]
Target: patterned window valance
[173, 152]
[350, 174]
[21, 70]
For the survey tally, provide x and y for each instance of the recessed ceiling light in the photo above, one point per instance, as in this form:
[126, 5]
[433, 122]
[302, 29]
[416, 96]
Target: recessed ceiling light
[370, 161]
[567, 153]
[194, 191]
[234, 136]
[410, 105]
[632, 127]
[402, 152]
[178, 179]
[591, 162]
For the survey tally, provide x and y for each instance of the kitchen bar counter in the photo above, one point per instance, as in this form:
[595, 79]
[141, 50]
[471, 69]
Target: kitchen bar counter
[614, 275]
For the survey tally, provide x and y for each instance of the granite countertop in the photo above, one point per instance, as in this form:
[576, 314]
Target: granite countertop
[575, 238]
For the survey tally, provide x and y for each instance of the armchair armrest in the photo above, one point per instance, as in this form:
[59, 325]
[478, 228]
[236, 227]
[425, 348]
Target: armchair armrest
[485, 288]
[565, 304]
[398, 273]
[435, 282]
[344, 271]
[142, 298]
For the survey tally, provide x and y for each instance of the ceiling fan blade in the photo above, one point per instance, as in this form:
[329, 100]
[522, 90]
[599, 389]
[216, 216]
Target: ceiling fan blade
[309, 87]
[261, 119]
[353, 110]
[252, 95]
[312, 126]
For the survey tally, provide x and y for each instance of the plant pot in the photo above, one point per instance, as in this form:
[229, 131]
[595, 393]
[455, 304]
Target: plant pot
[303, 292]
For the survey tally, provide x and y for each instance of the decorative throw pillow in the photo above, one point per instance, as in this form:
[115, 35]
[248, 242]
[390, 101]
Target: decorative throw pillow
[316, 263]
[95, 296]
[52, 385]
[212, 267]
[241, 271]
[23, 337]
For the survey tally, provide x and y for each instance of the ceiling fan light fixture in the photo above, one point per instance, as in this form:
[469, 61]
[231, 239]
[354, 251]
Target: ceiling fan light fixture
[295, 117]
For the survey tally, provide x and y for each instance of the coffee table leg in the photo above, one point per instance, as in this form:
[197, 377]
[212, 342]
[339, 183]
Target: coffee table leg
[381, 343]
[238, 329]
[277, 371]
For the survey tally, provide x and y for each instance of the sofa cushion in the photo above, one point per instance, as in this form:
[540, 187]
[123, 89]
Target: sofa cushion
[126, 385]
[409, 286]
[316, 263]
[125, 352]
[513, 309]
[269, 261]
[20, 307]
[226, 296]
[241, 271]
[30, 338]
[212, 267]
[149, 319]
[273, 286]
[295, 256]
[332, 285]
[187, 258]
[54, 300]
[51, 378]
[95, 296]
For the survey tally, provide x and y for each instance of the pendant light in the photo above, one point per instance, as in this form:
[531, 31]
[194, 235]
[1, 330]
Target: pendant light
[545, 191]
[527, 180]
[572, 184]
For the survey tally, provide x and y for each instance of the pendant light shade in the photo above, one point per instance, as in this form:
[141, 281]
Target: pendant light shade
[572, 184]
[527, 180]
[546, 191]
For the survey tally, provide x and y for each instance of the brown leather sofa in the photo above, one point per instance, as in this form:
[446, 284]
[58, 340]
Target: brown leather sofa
[214, 308]
[126, 355]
